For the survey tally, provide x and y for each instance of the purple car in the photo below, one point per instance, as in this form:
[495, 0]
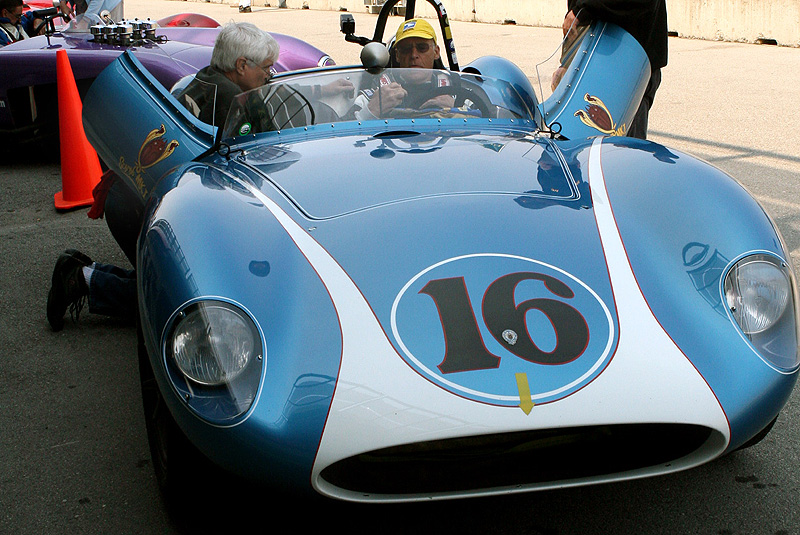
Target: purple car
[170, 48]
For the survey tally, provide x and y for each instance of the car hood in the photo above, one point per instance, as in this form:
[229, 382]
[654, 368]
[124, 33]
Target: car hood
[400, 166]
[460, 272]
[487, 217]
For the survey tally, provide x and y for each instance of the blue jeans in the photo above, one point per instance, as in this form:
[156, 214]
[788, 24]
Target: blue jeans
[112, 292]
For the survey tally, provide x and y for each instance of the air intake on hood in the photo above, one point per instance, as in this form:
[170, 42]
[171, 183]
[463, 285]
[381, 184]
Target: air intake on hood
[524, 458]
[396, 133]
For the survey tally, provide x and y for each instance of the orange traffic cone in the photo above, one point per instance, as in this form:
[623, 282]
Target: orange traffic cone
[80, 166]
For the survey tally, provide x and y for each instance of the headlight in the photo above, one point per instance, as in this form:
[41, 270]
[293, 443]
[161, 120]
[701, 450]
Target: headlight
[757, 290]
[212, 345]
[326, 61]
[760, 294]
[214, 358]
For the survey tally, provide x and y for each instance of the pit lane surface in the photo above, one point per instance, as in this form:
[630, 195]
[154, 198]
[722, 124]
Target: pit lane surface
[73, 451]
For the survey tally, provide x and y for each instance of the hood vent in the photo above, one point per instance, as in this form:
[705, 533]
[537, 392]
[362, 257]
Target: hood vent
[526, 458]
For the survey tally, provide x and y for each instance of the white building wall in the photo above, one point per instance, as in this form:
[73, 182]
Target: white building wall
[727, 20]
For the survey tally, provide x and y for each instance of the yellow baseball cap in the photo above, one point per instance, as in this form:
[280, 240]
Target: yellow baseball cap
[415, 28]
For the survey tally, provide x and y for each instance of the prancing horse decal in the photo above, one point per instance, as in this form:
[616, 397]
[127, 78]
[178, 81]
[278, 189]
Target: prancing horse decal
[597, 116]
[154, 149]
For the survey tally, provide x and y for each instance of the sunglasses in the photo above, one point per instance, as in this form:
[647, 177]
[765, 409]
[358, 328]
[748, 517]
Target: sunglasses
[405, 48]
[14, 17]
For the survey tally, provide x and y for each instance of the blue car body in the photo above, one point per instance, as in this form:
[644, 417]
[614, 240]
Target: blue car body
[452, 305]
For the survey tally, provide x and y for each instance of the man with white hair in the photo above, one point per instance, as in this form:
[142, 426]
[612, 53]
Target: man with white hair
[242, 60]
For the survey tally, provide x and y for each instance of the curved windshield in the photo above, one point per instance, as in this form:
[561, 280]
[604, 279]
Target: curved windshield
[358, 95]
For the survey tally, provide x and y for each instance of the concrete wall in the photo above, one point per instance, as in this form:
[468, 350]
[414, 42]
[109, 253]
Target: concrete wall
[719, 20]
[737, 20]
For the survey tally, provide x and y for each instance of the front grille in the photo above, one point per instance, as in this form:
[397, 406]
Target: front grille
[511, 459]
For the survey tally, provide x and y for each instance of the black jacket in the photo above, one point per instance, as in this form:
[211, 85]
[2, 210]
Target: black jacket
[646, 20]
[209, 95]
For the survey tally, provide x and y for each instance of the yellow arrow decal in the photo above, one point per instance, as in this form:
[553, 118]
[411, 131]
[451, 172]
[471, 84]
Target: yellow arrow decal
[525, 401]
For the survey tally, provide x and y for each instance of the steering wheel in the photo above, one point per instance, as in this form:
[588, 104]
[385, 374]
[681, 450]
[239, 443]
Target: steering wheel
[45, 18]
[461, 93]
[324, 113]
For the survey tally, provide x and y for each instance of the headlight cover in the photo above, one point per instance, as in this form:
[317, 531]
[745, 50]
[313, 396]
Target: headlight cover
[761, 296]
[214, 357]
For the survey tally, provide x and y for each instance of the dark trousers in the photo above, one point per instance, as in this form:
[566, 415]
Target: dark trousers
[112, 292]
[638, 127]
[124, 211]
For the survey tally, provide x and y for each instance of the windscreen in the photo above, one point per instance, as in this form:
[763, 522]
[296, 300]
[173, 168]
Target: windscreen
[551, 71]
[200, 98]
[358, 95]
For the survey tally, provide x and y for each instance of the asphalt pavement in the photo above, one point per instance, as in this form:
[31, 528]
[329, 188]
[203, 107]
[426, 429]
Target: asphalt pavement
[73, 451]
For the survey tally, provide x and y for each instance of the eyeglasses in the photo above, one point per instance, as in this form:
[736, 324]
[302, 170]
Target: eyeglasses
[406, 48]
[15, 17]
[269, 71]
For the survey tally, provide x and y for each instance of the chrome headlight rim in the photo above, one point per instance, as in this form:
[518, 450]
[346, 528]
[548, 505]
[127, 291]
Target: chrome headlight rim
[326, 61]
[783, 325]
[218, 402]
[196, 321]
[743, 311]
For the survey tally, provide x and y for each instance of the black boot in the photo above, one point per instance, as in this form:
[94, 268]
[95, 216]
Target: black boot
[69, 289]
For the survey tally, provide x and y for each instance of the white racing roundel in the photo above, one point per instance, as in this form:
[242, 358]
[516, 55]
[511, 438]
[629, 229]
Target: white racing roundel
[495, 328]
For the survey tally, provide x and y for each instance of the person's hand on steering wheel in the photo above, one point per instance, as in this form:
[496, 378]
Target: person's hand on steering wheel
[440, 101]
[386, 98]
[339, 86]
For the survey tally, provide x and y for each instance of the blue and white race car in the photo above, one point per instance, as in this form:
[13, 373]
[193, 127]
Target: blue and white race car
[494, 297]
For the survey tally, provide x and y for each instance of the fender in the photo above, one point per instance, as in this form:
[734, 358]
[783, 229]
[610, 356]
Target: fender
[595, 96]
[162, 131]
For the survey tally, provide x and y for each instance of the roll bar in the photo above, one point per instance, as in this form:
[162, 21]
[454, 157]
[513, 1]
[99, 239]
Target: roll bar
[347, 26]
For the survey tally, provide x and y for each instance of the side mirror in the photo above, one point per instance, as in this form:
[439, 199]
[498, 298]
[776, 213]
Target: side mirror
[375, 55]
[347, 24]
[105, 15]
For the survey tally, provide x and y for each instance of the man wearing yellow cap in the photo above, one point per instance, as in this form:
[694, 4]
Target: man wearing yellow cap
[414, 48]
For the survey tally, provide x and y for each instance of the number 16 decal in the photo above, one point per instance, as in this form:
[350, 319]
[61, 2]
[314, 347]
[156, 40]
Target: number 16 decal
[465, 349]
[471, 324]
